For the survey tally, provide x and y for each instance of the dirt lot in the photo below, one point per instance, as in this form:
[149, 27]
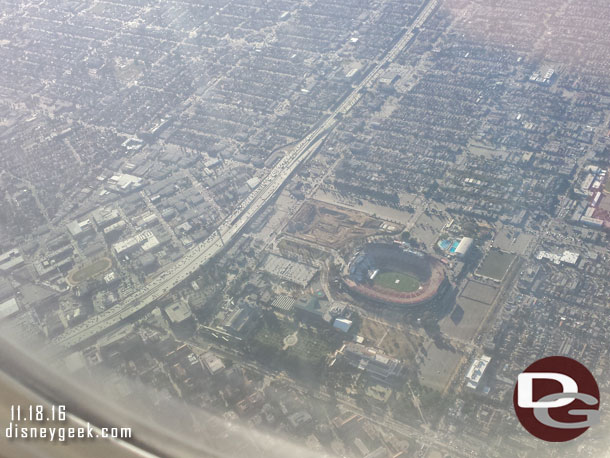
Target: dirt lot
[392, 341]
[332, 226]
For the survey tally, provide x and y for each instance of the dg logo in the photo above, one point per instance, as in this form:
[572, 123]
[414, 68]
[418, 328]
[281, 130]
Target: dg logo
[556, 399]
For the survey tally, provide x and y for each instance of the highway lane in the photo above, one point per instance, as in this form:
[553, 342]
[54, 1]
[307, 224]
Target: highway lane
[236, 221]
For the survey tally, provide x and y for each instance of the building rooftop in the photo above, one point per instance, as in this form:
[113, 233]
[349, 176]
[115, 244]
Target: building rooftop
[464, 246]
[476, 371]
[10, 260]
[8, 308]
[146, 240]
[178, 312]
[212, 362]
[283, 303]
[295, 272]
[372, 361]
[124, 182]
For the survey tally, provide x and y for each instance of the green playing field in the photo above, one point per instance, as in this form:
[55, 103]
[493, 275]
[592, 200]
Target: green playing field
[397, 281]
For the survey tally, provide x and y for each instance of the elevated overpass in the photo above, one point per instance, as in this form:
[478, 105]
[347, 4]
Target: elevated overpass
[233, 224]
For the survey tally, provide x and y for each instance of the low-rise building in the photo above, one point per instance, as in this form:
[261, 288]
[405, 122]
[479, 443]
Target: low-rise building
[476, 371]
[212, 363]
[463, 247]
[8, 308]
[373, 362]
[10, 260]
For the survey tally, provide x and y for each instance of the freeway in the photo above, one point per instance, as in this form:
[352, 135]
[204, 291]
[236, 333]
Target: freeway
[236, 221]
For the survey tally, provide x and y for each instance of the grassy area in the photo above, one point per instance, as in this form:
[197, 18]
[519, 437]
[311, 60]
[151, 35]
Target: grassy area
[397, 281]
[271, 335]
[90, 271]
[496, 264]
[311, 349]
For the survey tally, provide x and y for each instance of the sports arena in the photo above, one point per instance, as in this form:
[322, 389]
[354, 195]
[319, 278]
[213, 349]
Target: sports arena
[394, 274]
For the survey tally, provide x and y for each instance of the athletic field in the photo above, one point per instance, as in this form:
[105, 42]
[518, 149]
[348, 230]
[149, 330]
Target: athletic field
[97, 267]
[397, 281]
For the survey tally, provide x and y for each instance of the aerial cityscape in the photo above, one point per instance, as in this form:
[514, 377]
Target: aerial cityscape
[349, 224]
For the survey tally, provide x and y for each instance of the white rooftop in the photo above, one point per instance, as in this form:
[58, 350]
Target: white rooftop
[8, 308]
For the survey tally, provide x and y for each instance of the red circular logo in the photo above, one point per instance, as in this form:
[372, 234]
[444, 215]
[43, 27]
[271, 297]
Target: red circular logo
[556, 399]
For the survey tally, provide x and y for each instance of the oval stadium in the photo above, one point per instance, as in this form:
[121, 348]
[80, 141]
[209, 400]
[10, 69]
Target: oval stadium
[394, 274]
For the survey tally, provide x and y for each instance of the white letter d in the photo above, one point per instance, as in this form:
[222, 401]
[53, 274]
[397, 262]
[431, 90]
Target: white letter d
[525, 382]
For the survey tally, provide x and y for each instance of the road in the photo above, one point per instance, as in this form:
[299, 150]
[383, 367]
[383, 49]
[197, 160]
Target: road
[424, 435]
[233, 224]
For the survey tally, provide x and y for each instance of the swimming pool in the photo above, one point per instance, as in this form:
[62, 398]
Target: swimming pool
[444, 244]
[454, 247]
[448, 245]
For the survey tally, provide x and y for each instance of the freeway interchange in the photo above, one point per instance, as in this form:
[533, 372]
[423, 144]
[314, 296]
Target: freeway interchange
[233, 224]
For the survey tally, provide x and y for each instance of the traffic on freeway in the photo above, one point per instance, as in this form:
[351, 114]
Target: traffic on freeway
[234, 223]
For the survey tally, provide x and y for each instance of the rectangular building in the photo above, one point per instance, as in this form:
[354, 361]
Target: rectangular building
[476, 371]
[10, 260]
[372, 361]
